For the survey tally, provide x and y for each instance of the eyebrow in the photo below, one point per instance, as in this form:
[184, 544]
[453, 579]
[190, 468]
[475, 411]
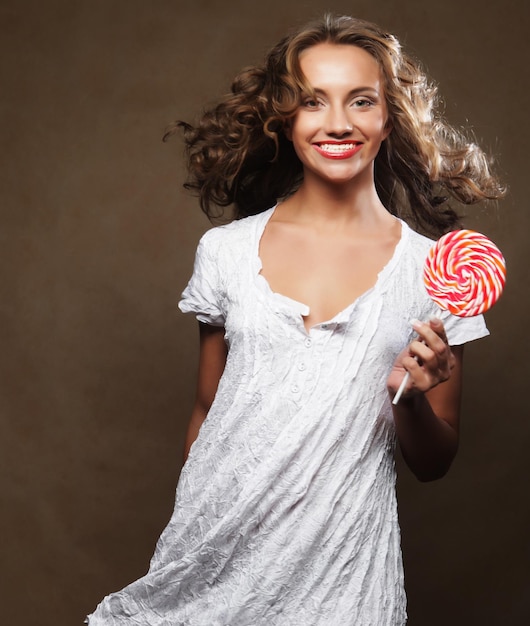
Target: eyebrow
[352, 92]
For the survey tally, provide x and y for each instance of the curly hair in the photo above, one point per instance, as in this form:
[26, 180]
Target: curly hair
[238, 152]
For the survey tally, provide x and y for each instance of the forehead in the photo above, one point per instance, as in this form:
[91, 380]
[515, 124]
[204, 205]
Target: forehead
[340, 64]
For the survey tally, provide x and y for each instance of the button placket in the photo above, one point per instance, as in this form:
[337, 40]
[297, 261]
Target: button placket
[300, 365]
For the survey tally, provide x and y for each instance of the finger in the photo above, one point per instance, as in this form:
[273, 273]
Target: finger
[438, 327]
[430, 363]
[435, 338]
[421, 351]
[444, 352]
[413, 366]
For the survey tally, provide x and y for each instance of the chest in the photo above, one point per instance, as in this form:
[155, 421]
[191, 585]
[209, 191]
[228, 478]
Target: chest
[325, 274]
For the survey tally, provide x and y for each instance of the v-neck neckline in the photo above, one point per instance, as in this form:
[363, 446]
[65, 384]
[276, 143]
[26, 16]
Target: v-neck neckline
[303, 310]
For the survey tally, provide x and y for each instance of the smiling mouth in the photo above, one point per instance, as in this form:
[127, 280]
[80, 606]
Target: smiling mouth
[338, 150]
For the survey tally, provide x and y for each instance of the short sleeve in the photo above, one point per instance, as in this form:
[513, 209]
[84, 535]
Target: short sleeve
[460, 330]
[203, 294]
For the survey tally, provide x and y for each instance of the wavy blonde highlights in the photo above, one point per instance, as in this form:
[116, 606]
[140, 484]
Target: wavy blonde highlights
[238, 152]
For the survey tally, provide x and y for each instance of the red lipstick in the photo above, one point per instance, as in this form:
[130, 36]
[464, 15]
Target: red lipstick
[337, 149]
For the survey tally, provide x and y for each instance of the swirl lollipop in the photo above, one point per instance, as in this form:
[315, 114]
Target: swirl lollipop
[465, 274]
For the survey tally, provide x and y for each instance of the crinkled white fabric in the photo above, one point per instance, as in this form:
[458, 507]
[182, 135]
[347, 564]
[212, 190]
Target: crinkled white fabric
[286, 512]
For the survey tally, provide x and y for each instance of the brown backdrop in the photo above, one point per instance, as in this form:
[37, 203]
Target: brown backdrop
[97, 241]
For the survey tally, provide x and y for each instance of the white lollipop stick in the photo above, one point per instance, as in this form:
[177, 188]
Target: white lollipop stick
[401, 388]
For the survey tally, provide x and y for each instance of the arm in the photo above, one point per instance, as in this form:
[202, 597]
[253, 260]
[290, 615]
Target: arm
[427, 415]
[212, 360]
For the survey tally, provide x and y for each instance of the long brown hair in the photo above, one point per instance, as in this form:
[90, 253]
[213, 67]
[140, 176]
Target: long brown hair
[238, 153]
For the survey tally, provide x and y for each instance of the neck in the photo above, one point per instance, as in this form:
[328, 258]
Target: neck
[319, 203]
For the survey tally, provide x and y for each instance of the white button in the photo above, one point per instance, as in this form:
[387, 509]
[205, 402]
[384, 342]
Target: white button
[295, 389]
[301, 366]
[308, 342]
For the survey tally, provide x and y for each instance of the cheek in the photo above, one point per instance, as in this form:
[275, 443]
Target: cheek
[301, 127]
[293, 127]
[379, 127]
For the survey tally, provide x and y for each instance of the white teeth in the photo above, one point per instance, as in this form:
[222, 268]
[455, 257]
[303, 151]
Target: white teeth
[337, 147]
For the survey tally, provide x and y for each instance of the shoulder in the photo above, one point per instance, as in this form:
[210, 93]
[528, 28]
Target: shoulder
[240, 233]
[414, 248]
[417, 244]
[407, 270]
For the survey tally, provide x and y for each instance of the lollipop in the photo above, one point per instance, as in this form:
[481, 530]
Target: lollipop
[465, 274]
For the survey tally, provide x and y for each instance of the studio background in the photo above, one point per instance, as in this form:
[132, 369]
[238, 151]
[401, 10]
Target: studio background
[97, 367]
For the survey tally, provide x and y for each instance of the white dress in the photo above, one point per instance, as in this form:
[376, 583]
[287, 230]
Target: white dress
[286, 511]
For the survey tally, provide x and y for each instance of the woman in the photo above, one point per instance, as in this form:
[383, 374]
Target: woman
[286, 511]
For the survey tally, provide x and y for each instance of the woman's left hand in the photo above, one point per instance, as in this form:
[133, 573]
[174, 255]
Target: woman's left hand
[428, 359]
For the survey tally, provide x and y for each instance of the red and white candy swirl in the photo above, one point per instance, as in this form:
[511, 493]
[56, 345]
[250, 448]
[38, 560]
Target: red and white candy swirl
[465, 273]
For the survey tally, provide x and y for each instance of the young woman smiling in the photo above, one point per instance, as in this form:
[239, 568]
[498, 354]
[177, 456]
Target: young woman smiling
[332, 155]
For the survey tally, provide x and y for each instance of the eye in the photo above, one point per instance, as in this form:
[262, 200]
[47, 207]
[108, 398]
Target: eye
[310, 103]
[362, 103]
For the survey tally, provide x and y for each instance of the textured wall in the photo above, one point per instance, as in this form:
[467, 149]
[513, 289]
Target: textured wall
[97, 240]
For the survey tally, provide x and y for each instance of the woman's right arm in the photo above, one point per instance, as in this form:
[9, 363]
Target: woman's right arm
[212, 361]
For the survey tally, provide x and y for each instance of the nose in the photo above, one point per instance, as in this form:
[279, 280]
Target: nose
[338, 123]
